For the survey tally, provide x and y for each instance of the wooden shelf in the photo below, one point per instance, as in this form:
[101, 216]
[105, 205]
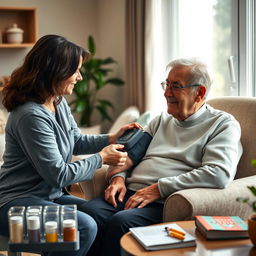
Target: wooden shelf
[25, 18]
[24, 45]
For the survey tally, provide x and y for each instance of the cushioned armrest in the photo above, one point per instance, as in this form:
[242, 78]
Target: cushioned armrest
[185, 204]
[96, 186]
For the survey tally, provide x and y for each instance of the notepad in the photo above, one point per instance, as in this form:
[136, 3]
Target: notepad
[155, 237]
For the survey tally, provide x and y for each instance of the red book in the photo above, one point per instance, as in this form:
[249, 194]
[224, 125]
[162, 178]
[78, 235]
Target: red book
[222, 227]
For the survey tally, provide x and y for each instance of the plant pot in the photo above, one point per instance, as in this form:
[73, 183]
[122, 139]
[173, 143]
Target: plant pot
[252, 228]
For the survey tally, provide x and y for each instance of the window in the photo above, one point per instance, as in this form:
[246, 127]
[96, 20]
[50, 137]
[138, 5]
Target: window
[208, 30]
[220, 32]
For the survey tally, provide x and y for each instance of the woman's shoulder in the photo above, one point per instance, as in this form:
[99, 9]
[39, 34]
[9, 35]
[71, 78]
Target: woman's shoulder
[29, 108]
[29, 113]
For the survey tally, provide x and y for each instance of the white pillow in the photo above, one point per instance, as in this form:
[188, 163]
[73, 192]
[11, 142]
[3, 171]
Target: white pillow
[145, 119]
[129, 115]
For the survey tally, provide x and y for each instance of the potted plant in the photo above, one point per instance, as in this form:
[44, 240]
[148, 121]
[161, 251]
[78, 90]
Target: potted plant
[252, 204]
[95, 77]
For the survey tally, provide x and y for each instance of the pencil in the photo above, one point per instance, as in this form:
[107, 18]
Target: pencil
[176, 231]
[177, 235]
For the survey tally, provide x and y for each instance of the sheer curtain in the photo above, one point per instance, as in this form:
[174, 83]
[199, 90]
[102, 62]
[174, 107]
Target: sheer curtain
[155, 58]
[144, 54]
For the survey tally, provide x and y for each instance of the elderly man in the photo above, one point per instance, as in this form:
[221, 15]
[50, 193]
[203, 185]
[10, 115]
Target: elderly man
[192, 145]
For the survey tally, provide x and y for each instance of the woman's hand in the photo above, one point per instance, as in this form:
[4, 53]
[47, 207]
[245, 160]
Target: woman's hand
[112, 170]
[111, 156]
[114, 136]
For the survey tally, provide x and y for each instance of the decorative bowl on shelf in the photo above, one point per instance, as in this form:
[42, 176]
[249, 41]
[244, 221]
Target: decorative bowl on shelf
[14, 34]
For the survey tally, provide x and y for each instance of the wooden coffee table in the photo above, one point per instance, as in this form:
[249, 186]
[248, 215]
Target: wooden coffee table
[234, 247]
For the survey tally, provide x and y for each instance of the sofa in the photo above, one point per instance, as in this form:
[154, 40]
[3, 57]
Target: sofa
[186, 204]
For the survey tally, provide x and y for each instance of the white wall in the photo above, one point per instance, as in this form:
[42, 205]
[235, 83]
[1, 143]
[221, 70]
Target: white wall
[76, 19]
[111, 34]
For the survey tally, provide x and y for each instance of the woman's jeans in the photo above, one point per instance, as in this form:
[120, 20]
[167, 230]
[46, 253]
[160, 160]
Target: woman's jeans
[86, 225]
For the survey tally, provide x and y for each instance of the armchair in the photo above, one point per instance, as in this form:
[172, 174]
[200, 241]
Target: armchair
[185, 204]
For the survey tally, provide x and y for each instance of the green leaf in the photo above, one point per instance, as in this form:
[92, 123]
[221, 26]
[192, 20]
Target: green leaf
[242, 199]
[105, 71]
[92, 65]
[98, 78]
[253, 162]
[105, 103]
[81, 88]
[80, 106]
[108, 60]
[252, 189]
[115, 81]
[91, 45]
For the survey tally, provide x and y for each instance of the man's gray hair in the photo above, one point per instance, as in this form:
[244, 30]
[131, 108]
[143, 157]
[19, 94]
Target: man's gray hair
[198, 69]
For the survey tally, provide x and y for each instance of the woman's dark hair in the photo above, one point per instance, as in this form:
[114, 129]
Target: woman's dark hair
[52, 60]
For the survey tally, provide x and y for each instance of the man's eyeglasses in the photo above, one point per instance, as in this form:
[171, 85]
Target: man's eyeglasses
[176, 86]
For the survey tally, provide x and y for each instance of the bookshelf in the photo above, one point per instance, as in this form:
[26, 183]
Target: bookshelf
[25, 18]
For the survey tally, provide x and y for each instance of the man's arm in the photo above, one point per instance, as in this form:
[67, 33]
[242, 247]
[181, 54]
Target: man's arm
[135, 154]
[117, 174]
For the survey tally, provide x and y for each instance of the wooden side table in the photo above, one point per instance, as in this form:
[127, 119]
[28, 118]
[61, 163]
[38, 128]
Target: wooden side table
[234, 247]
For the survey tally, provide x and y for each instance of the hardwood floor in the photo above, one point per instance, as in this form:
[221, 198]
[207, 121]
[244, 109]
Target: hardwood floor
[74, 190]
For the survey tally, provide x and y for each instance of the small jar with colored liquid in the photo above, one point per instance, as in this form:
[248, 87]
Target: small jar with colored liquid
[51, 220]
[34, 222]
[69, 222]
[51, 231]
[16, 215]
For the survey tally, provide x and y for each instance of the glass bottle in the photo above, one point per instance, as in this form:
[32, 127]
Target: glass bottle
[16, 223]
[51, 232]
[34, 222]
[69, 222]
[51, 218]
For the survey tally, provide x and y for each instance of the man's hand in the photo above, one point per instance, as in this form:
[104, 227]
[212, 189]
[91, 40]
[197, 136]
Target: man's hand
[143, 197]
[117, 186]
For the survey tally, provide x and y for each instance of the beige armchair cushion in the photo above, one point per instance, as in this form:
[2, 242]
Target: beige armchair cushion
[185, 204]
[95, 187]
[243, 109]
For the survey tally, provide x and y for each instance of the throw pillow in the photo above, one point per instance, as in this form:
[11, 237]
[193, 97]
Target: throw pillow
[129, 115]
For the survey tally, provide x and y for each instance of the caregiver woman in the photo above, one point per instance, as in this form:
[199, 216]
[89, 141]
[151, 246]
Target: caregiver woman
[42, 136]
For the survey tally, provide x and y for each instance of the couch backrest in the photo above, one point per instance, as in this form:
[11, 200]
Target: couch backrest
[244, 110]
[129, 115]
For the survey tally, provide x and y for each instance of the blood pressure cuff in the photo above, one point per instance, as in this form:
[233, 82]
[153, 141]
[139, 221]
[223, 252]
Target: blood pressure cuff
[137, 152]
